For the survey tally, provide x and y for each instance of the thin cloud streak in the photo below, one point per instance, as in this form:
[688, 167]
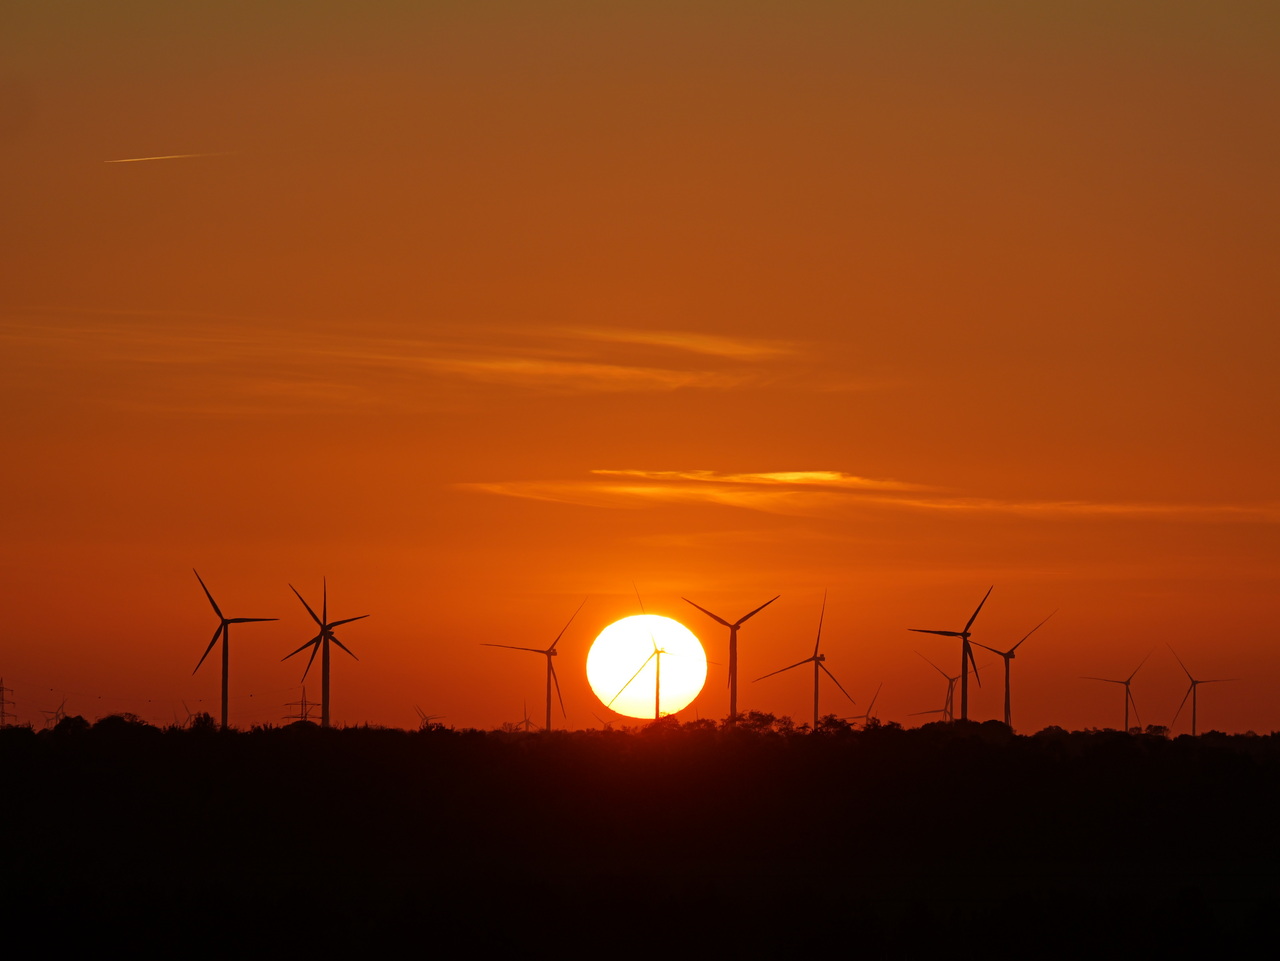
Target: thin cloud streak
[819, 478]
[171, 156]
[713, 345]
[710, 488]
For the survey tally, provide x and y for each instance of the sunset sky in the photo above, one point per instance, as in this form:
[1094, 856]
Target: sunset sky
[481, 308]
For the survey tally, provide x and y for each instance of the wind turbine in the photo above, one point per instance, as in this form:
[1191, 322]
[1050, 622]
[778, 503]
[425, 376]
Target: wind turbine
[966, 655]
[733, 649]
[1191, 691]
[1008, 657]
[948, 711]
[56, 715]
[321, 643]
[1128, 694]
[866, 718]
[657, 679]
[425, 719]
[818, 666]
[223, 632]
[549, 653]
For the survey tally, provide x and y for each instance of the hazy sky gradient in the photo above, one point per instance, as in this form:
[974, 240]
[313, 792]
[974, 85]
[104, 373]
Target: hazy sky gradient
[478, 308]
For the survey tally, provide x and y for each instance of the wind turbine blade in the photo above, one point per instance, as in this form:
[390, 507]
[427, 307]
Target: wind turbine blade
[347, 620]
[1129, 694]
[838, 684]
[307, 606]
[324, 600]
[314, 640]
[1180, 664]
[978, 608]
[872, 705]
[1030, 632]
[992, 649]
[310, 660]
[921, 630]
[566, 626]
[746, 617]
[249, 620]
[714, 617]
[341, 645]
[934, 666]
[1085, 677]
[973, 661]
[511, 647]
[216, 634]
[556, 681]
[1219, 680]
[206, 592]
[1144, 661]
[633, 677]
[1184, 702]
[821, 615]
[781, 669]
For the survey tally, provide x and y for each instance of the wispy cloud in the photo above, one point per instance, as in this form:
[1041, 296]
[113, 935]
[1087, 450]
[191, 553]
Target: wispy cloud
[189, 362]
[796, 478]
[835, 494]
[713, 345]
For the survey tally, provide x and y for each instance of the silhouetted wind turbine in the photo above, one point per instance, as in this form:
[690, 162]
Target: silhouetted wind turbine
[948, 711]
[966, 655]
[1128, 694]
[1191, 691]
[818, 666]
[733, 649]
[657, 679]
[321, 643]
[224, 632]
[549, 653]
[1008, 657]
[866, 718]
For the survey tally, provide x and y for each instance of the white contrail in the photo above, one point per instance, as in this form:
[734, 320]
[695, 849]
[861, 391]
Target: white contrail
[172, 156]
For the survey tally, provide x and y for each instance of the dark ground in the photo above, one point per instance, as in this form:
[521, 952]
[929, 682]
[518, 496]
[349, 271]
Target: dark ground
[885, 843]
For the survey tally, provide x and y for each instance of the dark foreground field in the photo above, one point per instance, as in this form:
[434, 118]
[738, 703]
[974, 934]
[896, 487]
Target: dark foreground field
[884, 843]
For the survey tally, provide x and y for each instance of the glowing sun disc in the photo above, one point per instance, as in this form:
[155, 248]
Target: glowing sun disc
[622, 659]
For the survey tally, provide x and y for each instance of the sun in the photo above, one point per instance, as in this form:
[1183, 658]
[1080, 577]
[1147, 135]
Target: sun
[624, 662]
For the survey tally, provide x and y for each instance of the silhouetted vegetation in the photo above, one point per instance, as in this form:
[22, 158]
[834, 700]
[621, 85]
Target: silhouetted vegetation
[906, 840]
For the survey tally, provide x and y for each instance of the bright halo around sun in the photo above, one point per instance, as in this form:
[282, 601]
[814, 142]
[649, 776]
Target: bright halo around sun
[624, 662]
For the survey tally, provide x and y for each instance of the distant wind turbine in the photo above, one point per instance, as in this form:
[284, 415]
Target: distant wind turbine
[549, 653]
[223, 632]
[818, 666]
[1128, 694]
[966, 655]
[1008, 658]
[321, 643]
[948, 711]
[867, 717]
[1191, 691]
[733, 649]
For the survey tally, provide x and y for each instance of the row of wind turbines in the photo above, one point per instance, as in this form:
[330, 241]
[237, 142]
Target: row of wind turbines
[320, 643]
[818, 660]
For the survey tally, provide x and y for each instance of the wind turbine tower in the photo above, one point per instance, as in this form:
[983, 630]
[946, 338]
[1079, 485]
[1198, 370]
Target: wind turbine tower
[1191, 691]
[321, 643]
[966, 654]
[1008, 658]
[1128, 694]
[819, 665]
[549, 653]
[223, 632]
[733, 649]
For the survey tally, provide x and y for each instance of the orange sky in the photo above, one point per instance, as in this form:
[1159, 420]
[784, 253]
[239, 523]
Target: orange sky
[479, 309]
